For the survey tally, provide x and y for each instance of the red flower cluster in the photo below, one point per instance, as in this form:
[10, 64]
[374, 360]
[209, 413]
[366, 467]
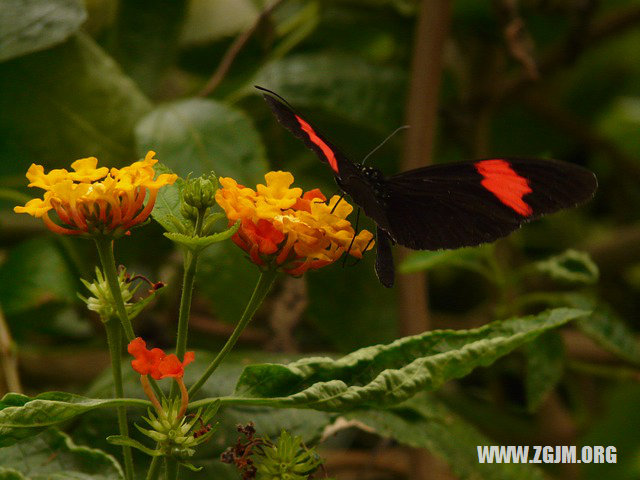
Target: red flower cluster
[155, 362]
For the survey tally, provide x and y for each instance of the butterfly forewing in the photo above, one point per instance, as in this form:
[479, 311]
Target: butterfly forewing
[306, 132]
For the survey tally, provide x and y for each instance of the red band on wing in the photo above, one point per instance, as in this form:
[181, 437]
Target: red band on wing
[326, 150]
[501, 180]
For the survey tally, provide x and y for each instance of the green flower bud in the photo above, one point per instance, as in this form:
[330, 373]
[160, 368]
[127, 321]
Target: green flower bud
[200, 193]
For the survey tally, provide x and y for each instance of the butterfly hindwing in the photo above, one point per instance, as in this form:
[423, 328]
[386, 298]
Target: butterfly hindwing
[469, 203]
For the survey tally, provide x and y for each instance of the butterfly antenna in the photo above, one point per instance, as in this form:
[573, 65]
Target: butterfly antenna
[403, 127]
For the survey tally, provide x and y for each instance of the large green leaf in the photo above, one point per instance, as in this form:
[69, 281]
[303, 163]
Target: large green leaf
[389, 374]
[54, 455]
[349, 87]
[30, 25]
[145, 39]
[196, 136]
[35, 273]
[22, 416]
[545, 366]
[425, 422]
[65, 103]
[605, 327]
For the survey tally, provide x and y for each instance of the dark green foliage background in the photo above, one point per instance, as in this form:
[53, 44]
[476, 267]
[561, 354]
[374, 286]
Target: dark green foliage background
[115, 79]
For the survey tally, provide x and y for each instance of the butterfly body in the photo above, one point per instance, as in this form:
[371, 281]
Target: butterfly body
[445, 206]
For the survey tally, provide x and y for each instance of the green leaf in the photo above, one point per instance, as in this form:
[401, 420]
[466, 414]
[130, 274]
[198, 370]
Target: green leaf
[545, 366]
[220, 266]
[200, 243]
[609, 331]
[130, 442]
[349, 87]
[570, 266]
[35, 273]
[21, 416]
[389, 374]
[425, 422]
[65, 103]
[470, 258]
[351, 293]
[166, 210]
[199, 136]
[27, 26]
[53, 455]
[145, 39]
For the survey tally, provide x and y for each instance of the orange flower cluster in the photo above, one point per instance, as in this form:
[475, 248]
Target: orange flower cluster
[283, 228]
[155, 362]
[95, 200]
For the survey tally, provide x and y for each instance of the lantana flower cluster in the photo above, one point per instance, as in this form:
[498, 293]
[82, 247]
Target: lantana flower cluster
[95, 200]
[282, 227]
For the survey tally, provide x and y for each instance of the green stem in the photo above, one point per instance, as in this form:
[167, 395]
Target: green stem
[171, 468]
[108, 261]
[114, 339]
[259, 293]
[104, 245]
[154, 469]
[188, 281]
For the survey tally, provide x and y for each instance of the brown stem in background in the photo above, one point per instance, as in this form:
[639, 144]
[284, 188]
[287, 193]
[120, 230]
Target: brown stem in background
[233, 51]
[8, 357]
[422, 109]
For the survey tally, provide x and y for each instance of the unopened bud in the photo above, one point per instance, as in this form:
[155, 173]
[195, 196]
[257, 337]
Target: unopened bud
[200, 192]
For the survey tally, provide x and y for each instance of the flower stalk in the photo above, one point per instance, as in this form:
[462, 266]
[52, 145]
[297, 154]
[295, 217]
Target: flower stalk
[114, 339]
[265, 281]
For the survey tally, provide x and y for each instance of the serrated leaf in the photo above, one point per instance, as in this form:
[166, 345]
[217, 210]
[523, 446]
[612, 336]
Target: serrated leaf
[166, 210]
[349, 87]
[30, 25]
[388, 374]
[22, 416]
[199, 136]
[53, 454]
[199, 243]
[570, 266]
[605, 327]
[65, 103]
[545, 366]
[425, 422]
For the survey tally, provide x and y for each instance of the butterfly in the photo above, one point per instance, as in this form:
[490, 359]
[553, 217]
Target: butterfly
[444, 206]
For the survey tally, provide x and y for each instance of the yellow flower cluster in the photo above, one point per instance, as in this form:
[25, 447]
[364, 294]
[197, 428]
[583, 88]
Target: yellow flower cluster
[283, 228]
[95, 200]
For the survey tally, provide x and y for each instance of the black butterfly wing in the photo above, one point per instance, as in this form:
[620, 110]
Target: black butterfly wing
[306, 132]
[469, 203]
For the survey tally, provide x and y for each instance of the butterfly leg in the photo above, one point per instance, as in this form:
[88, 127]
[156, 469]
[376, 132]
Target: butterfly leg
[353, 239]
[384, 259]
[336, 205]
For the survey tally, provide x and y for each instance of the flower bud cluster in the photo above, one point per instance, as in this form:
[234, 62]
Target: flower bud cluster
[101, 301]
[175, 435]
